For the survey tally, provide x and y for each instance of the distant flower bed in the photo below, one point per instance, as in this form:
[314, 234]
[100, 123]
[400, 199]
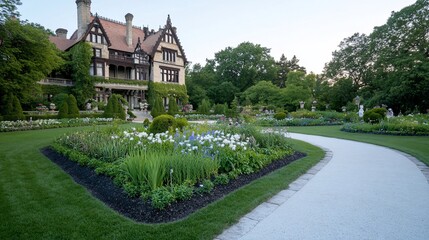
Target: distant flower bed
[270, 121]
[308, 118]
[417, 125]
[166, 167]
[8, 126]
[197, 117]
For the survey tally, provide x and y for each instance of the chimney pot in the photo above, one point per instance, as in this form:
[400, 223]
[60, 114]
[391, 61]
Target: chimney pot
[61, 33]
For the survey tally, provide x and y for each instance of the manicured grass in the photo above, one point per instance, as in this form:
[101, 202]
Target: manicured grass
[418, 146]
[39, 201]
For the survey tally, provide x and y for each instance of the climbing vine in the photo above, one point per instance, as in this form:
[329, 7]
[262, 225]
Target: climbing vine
[171, 90]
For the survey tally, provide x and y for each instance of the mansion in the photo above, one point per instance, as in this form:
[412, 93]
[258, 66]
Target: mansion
[124, 53]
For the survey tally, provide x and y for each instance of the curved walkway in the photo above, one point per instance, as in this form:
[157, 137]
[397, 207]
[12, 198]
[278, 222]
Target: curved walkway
[364, 192]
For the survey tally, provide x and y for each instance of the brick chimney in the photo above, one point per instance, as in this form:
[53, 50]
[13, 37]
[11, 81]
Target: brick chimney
[129, 34]
[61, 33]
[83, 16]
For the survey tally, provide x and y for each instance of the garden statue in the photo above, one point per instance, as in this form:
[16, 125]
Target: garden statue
[389, 113]
[344, 108]
[360, 111]
[52, 106]
[301, 104]
[313, 108]
[88, 106]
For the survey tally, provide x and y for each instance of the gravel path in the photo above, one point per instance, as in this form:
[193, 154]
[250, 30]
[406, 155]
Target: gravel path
[364, 192]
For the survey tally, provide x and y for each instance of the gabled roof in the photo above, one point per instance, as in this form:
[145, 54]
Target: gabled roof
[116, 32]
[62, 43]
[150, 45]
[116, 37]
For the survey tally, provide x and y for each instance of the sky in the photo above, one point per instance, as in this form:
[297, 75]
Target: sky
[309, 29]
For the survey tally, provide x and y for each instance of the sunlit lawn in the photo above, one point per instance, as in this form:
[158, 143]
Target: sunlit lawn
[39, 201]
[417, 146]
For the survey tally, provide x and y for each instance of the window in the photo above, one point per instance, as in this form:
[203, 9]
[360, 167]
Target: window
[96, 38]
[99, 71]
[169, 55]
[168, 37]
[97, 52]
[169, 75]
[91, 69]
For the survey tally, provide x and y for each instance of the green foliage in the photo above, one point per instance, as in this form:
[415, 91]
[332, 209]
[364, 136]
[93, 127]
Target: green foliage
[63, 111]
[166, 90]
[73, 110]
[162, 123]
[79, 62]
[206, 186]
[9, 9]
[374, 115]
[223, 93]
[27, 56]
[284, 66]
[134, 169]
[173, 109]
[151, 94]
[114, 107]
[55, 90]
[146, 122]
[182, 191]
[60, 98]
[11, 108]
[180, 123]
[157, 108]
[280, 115]
[305, 114]
[389, 65]
[220, 108]
[244, 65]
[162, 197]
[221, 179]
[204, 107]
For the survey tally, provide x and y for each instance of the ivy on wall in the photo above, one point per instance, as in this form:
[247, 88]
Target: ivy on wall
[54, 90]
[170, 90]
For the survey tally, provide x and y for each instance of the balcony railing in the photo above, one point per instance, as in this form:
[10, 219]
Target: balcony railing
[57, 81]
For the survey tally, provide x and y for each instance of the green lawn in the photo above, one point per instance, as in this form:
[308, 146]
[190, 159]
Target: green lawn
[39, 201]
[417, 146]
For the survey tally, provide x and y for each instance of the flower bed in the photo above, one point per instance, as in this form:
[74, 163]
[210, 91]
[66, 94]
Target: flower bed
[414, 125]
[197, 117]
[8, 126]
[164, 168]
[308, 118]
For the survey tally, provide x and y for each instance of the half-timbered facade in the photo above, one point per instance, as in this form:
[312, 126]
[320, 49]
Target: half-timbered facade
[125, 53]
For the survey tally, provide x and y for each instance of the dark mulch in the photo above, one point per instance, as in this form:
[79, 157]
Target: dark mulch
[103, 188]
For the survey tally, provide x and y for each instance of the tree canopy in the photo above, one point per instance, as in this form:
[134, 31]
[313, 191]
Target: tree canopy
[26, 57]
[389, 66]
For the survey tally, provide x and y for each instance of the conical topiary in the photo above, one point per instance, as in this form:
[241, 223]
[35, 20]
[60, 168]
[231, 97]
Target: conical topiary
[73, 109]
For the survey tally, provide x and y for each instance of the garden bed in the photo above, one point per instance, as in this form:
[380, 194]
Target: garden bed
[103, 188]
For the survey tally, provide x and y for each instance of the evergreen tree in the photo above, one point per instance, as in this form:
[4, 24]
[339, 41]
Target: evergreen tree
[11, 108]
[173, 109]
[17, 109]
[73, 110]
[63, 111]
[234, 107]
[158, 108]
[204, 107]
[151, 95]
[114, 107]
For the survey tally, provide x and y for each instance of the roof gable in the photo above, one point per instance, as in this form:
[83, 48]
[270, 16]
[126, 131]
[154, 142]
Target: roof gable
[151, 43]
[116, 33]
